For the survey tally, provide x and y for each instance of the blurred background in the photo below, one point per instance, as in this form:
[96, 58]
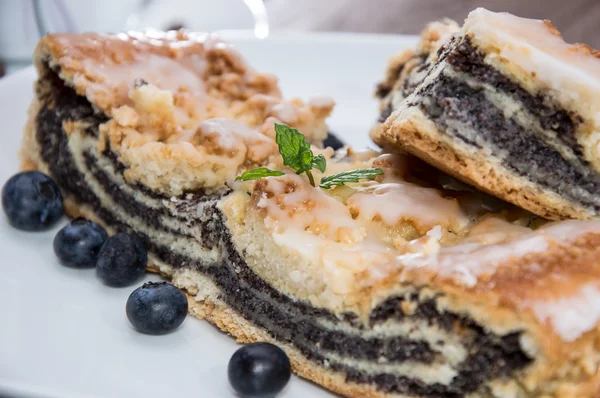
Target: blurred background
[23, 21]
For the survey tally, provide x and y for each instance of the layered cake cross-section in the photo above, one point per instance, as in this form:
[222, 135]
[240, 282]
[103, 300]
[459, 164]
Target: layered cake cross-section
[509, 107]
[409, 285]
[407, 69]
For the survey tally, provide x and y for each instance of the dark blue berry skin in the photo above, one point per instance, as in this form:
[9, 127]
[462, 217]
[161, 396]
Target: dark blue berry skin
[78, 243]
[122, 260]
[259, 370]
[156, 308]
[333, 141]
[32, 201]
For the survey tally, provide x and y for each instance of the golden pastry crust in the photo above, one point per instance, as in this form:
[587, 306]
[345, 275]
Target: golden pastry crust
[159, 92]
[417, 135]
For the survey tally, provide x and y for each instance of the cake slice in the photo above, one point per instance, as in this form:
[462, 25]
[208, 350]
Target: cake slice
[512, 109]
[410, 285]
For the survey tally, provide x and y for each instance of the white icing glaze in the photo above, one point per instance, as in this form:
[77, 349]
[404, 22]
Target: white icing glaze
[295, 239]
[571, 316]
[172, 61]
[108, 79]
[321, 102]
[295, 204]
[495, 230]
[213, 42]
[285, 112]
[157, 88]
[467, 261]
[309, 221]
[395, 162]
[395, 202]
[570, 229]
[426, 245]
[159, 38]
[341, 262]
[234, 136]
[115, 81]
[531, 38]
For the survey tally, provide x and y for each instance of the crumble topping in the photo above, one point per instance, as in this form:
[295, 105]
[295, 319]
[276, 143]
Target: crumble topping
[572, 315]
[214, 146]
[186, 111]
[225, 137]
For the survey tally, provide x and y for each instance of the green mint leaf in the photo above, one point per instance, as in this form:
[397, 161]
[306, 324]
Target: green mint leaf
[349, 176]
[319, 163]
[255, 174]
[294, 149]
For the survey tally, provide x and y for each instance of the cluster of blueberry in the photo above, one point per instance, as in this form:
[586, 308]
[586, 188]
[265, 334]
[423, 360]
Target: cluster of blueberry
[32, 202]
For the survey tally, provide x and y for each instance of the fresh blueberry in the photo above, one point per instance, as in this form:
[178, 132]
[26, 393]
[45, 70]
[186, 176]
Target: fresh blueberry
[259, 370]
[333, 141]
[156, 308]
[78, 243]
[32, 201]
[122, 260]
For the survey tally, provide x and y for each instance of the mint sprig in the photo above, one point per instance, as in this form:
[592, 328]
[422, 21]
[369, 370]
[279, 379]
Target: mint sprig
[349, 176]
[296, 152]
[255, 174]
[298, 155]
[294, 149]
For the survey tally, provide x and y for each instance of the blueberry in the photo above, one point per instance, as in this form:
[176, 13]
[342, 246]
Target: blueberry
[78, 243]
[259, 370]
[32, 201]
[156, 308]
[333, 141]
[122, 260]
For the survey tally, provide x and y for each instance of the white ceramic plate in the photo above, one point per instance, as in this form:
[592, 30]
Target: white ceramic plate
[64, 334]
